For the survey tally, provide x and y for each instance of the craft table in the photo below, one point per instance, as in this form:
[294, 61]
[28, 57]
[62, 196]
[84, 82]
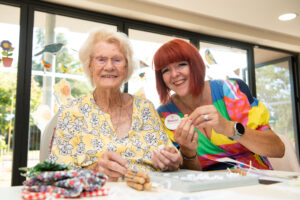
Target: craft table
[119, 190]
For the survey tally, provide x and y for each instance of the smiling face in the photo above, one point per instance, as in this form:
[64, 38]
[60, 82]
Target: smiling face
[108, 66]
[177, 77]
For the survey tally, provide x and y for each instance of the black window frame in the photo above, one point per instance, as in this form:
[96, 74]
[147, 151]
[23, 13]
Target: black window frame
[27, 9]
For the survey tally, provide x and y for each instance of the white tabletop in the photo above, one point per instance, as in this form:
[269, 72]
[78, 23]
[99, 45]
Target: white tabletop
[119, 190]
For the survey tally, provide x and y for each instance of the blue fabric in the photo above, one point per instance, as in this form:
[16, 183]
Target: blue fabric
[169, 107]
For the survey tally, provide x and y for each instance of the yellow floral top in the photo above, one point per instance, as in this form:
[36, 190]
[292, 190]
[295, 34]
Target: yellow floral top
[84, 133]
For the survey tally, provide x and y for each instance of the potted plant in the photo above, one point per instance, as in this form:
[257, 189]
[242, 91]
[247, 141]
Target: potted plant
[7, 53]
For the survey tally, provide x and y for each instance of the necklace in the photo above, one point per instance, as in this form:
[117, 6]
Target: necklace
[121, 108]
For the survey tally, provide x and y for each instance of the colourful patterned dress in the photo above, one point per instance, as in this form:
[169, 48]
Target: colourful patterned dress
[233, 100]
[84, 132]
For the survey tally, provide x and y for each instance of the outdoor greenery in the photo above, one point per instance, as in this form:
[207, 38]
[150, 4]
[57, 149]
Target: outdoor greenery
[7, 102]
[64, 57]
[7, 95]
[274, 91]
[3, 144]
[8, 90]
[272, 81]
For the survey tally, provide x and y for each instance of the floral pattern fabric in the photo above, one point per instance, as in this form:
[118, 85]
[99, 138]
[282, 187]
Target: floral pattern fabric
[65, 183]
[84, 132]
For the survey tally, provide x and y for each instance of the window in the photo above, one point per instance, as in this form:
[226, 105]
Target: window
[273, 87]
[9, 39]
[56, 70]
[56, 77]
[142, 82]
[223, 62]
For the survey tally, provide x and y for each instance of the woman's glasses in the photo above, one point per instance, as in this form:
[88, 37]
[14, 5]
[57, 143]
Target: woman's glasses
[116, 61]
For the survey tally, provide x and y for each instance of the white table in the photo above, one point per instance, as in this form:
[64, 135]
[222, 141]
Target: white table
[119, 190]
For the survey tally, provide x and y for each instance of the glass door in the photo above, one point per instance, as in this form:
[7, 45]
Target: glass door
[9, 48]
[273, 85]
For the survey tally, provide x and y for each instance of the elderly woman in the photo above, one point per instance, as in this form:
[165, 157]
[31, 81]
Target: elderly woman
[110, 131]
[224, 119]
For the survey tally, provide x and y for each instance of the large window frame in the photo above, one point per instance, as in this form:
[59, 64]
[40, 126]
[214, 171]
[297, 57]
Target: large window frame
[28, 7]
[293, 103]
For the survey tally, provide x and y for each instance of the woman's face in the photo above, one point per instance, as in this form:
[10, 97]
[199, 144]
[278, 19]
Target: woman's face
[108, 66]
[177, 77]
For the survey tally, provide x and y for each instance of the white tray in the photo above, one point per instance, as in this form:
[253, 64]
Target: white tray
[191, 181]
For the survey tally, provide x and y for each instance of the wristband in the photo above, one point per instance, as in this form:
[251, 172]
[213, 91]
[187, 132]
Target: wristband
[188, 158]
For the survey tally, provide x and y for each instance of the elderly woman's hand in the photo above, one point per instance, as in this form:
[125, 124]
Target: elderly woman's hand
[187, 138]
[111, 164]
[205, 117]
[167, 159]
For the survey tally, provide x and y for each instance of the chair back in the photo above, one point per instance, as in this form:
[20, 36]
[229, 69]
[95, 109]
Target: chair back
[47, 138]
[289, 161]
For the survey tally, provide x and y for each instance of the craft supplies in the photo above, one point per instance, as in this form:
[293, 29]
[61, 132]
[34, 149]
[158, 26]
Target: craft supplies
[230, 160]
[43, 167]
[138, 180]
[49, 179]
[27, 195]
[238, 171]
[191, 181]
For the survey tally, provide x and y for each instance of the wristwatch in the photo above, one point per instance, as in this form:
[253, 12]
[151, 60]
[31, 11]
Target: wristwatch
[239, 131]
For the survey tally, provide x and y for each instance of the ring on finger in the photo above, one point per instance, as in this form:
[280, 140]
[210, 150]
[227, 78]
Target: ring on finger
[205, 117]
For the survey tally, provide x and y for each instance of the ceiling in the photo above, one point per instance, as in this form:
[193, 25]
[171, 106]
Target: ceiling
[254, 21]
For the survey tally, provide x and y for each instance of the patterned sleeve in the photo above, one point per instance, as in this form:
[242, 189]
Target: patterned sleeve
[161, 133]
[243, 107]
[65, 142]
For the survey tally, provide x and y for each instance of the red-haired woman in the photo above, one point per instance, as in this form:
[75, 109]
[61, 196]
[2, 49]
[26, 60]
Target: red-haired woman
[224, 119]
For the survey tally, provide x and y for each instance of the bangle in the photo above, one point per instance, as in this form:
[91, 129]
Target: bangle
[188, 158]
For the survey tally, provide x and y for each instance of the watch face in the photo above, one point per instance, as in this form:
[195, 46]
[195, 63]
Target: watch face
[240, 128]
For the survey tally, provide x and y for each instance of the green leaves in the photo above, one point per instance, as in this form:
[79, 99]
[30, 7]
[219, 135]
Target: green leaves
[6, 54]
[43, 167]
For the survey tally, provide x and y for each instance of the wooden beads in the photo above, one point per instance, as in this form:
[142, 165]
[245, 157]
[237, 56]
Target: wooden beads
[238, 171]
[138, 180]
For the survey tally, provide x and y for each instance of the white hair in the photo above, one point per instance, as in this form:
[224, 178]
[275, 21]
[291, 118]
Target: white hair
[109, 36]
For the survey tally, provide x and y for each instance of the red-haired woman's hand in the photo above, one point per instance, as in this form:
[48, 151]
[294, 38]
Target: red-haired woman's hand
[206, 117]
[186, 136]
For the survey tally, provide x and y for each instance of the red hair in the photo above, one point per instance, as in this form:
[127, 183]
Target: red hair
[175, 51]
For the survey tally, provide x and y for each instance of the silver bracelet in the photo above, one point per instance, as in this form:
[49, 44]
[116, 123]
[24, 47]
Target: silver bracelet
[188, 158]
